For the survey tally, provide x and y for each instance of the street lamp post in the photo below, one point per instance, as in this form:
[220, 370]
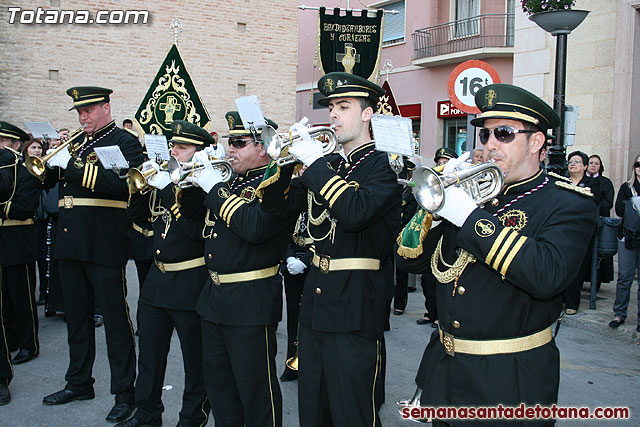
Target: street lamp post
[559, 23]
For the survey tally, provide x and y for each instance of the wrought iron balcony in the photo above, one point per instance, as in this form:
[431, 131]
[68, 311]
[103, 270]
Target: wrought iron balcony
[482, 31]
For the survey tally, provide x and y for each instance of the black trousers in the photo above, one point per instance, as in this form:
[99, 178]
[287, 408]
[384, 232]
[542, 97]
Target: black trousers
[142, 268]
[428, 282]
[293, 286]
[156, 327]
[19, 306]
[401, 289]
[82, 283]
[240, 375]
[6, 369]
[337, 379]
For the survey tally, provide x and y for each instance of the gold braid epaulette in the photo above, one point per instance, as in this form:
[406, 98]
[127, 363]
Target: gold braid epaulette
[585, 191]
[555, 175]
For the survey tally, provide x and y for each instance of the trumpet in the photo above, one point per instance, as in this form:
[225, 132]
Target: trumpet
[38, 166]
[277, 144]
[138, 179]
[482, 182]
[180, 171]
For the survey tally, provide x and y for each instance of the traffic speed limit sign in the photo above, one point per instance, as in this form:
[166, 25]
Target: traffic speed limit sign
[466, 79]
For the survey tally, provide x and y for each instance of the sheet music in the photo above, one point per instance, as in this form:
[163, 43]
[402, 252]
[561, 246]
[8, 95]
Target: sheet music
[392, 134]
[42, 130]
[111, 157]
[157, 146]
[250, 112]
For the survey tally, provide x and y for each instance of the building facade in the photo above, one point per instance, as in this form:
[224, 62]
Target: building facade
[603, 78]
[230, 48]
[424, 42]
[429, 38]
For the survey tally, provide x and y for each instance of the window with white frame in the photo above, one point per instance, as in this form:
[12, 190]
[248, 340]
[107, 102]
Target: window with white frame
[466, 17]
[393, 23]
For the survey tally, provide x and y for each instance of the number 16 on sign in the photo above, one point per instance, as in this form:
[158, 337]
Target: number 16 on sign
[465, 81]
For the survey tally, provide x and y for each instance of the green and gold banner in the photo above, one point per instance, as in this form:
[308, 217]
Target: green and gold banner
[172, 96]
[350, 43]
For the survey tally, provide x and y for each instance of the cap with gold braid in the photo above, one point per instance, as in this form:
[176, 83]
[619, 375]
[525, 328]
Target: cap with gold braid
[504, 101]
[346, 85]
[236, 128]
[187, 133]
[88, 95]
[445, 153]
[7, 130]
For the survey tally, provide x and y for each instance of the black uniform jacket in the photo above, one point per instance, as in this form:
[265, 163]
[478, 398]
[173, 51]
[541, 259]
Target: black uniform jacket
[19, 241]
[8, 164]
[244, 238]
[363, 197]
[141, 229]
[88, 233]
[528, 248]
[181, 241]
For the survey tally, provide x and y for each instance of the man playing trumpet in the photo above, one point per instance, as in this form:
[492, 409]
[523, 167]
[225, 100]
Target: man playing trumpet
[173, 284]
[92, 245]
[353, 203]
[501, 268]
[241, 303]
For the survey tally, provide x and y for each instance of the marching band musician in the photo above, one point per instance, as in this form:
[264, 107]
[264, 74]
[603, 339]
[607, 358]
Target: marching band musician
[241, 303]
[8, 172]
[353, 204]
[18, 231]
[502, 268]
[92, 245]
[173, 285]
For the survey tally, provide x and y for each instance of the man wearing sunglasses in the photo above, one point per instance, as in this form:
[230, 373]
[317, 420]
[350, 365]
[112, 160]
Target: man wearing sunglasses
[241, 303]
[353, 204]
[502, 267]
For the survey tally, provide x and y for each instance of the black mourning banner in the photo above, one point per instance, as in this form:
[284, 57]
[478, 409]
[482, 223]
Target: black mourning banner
[350, 43]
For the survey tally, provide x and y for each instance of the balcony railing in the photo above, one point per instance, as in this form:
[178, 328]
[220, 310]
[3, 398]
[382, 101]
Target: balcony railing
[490, 30]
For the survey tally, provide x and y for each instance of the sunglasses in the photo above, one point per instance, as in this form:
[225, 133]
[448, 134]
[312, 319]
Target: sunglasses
[636, 165]
[240, 143]
[504, 134]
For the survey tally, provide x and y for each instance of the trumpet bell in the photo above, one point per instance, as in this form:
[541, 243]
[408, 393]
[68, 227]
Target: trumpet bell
[138, 180]
[429, 189]
[35, 166]
[292, 362]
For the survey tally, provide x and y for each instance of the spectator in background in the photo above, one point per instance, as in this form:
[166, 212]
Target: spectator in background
[628, 247]
[127, 124]
[217, 149]
[35, 148]
[578, 162]
[477, 156]
[605, 203]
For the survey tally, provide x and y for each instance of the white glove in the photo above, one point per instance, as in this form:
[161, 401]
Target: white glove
[307, 150]
[60, 159]
[160, 180]
[202, 156]
[295, 266]
[457, 206]
[205, 178]
[457, 164]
